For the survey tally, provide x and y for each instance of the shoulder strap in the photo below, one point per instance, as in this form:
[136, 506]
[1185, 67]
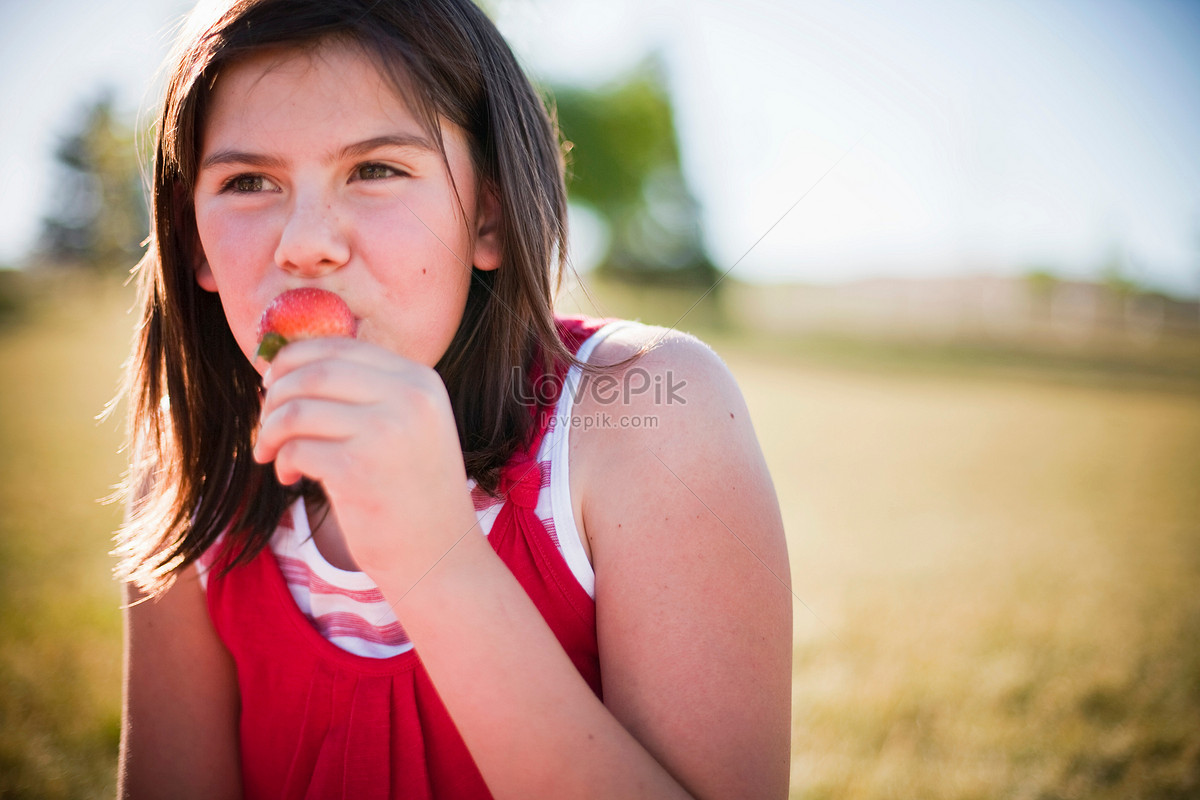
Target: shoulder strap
[575, 330]
[521, 468]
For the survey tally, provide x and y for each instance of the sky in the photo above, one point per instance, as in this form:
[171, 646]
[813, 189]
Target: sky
[825, 141]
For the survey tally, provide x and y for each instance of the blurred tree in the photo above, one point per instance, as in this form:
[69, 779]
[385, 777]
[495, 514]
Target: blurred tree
[1115, 274]
[1042, 283]
[623, 161]
[98, 215]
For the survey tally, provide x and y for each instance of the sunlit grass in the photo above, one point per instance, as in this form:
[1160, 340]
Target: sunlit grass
[998, 576]
[1001, 577]
[59, 622]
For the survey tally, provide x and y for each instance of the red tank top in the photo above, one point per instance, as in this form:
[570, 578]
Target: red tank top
[319, 722]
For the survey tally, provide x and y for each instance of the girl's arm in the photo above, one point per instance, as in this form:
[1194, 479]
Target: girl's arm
[693, 583]
[179, 736]
[693, 605]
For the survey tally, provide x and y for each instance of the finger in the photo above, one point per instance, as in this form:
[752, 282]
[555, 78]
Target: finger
[327, 379]
[297, 354]
[312, 458]
[306, 418]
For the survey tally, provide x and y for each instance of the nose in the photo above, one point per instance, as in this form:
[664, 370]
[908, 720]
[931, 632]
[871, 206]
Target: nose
[312, 242]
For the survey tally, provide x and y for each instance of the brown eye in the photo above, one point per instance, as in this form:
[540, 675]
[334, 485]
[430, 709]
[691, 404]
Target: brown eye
[245, 183]
[374, 172]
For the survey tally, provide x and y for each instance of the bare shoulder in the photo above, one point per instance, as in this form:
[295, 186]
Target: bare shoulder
[674, 375]
[675, 400]
[670, 422]
[688, 549]
[664, 347]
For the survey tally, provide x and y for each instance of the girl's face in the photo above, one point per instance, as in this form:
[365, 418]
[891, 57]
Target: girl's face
[313, 172]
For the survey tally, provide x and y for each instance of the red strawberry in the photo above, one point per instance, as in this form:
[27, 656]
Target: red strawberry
[302, 314]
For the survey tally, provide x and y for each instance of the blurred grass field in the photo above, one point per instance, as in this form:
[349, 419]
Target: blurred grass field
[997, 575]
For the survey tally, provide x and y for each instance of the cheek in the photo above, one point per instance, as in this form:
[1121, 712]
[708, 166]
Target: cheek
[229, 249]
[424, 219]
[228, 239]
[456, 286]
[433, 295]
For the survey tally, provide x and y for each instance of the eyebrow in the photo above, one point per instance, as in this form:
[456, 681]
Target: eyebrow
[407, 141]
[410, 141]
[222, 157]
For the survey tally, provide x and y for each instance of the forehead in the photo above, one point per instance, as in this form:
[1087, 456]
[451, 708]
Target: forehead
[291, 89]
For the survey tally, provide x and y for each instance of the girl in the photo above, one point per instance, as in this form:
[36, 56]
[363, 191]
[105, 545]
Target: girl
[446, 557]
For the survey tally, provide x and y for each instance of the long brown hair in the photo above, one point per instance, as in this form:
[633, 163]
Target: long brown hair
[193, 396]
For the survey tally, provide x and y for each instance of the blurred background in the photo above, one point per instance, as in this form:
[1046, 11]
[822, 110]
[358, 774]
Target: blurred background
[951, 251]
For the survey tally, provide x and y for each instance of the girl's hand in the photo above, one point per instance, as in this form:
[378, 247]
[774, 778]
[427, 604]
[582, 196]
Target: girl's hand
[378, 432]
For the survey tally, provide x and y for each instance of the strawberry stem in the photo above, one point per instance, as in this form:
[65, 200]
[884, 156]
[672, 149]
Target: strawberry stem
[269, 346]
